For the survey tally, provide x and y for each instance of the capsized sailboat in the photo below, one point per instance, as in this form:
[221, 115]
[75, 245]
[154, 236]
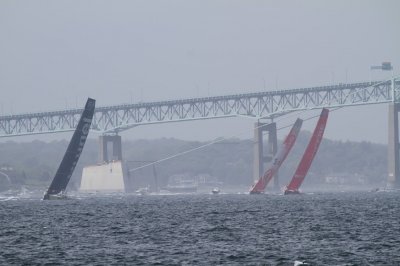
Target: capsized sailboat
[309, 154]
[71, 156]
[277, 161]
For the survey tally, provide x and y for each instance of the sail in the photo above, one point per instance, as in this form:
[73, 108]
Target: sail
[309, 154]
[71, 156]
[277, 161]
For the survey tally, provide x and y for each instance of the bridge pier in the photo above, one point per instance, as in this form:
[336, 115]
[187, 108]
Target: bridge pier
[116, 154]
[110, 174]
[393, 146]
[261, 157]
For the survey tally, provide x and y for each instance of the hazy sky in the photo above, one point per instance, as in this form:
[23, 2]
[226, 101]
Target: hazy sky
[54, 54]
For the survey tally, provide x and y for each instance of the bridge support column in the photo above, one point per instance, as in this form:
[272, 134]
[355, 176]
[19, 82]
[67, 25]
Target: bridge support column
[393, 146]
[259, 156]
[116, 154]
[110, 174]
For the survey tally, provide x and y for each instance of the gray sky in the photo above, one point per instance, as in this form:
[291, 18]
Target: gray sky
[53, 54]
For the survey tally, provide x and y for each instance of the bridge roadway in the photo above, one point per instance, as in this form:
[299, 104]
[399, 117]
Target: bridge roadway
[268, 104]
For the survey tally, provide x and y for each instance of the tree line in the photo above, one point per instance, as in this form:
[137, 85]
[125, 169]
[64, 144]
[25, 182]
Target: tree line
[230, 161]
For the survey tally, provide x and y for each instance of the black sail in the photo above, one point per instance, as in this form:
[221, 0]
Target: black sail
[74, 150]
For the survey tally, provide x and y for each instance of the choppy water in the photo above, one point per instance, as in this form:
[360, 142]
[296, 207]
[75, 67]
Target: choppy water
[321, 229]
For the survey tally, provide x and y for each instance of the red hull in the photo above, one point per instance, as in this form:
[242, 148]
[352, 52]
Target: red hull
[309, 154]
[292, 192]
[287, 145]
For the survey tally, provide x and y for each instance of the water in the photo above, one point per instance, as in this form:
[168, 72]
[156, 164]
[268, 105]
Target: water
[321, 229]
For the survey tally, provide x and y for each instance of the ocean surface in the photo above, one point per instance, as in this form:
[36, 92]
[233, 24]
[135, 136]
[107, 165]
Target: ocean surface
[226, 229]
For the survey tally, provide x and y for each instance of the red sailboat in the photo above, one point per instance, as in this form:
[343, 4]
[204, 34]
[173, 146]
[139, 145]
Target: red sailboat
[309, 154]
[277, 161]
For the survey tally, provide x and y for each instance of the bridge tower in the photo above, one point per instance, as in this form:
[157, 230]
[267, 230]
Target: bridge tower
[260, 156]
[393, 141]
[116, 154]
[393, 146]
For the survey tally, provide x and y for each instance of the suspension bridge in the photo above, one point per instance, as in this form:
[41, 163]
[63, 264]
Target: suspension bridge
[108, 121]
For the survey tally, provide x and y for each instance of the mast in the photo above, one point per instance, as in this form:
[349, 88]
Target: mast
[309, 154]
[277, 161]
[74, 150]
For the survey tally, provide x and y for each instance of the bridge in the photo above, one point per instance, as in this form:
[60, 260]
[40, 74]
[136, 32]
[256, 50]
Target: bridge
[110, 120]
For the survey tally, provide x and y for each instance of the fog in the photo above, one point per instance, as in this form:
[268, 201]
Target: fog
[54, 54]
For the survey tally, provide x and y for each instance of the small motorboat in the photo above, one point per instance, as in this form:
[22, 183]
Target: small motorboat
[215, 190]
[143, 191]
